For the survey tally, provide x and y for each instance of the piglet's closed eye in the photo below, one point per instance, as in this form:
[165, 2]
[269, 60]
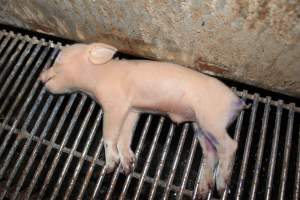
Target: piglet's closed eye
[101, 53]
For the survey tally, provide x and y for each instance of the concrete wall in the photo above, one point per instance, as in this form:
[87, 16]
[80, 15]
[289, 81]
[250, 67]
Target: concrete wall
[253, 41]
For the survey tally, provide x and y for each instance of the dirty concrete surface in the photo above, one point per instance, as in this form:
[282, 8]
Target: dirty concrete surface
[252, 41]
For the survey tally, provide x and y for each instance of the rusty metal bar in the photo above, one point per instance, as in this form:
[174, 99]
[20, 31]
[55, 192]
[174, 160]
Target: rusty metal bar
[162, 161]
[25, 85]
[3, 45]
[37, 146]
[91, 168]
[115, 177]
[13, 58]
[66, 137]
[74, 147]
[150, 155]
[261, 146]
[19, 97]
[137, 154]
[272, 164]
[9, 48]
[28, 142]
[188, 167]
[296, 194]
[247, 149]
[287, 150]
[16, 68]
[16, 143]
[175, 163]
[85, 151]
[52, 140]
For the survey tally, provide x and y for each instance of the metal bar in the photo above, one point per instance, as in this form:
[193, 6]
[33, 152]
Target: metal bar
[97, 161]
[242, 175]
[188, 167]
[91, 168]
[16, 143]
[66, 137]
[33, 40]
[162, 161]
[272, 164]
[8, 50]
[150, 154]
[56, 146]
[296, 194]
[3, 44]
[84, 153]
[50, 145]
[19, 97]
[28, 142]
[261, 146]
[175, 163]
[37, 146]
[287, 149]
[137, 154]
[13, 58]
[115, 176]
[74, 147]
[17, 66]
[20, 77]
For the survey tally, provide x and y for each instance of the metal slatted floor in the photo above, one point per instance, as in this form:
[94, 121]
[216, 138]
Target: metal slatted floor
[51, 146]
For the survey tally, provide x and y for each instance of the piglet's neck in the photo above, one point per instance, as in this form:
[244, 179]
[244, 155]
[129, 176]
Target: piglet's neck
[88, 79]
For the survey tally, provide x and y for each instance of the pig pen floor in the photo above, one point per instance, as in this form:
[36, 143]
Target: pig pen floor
[51, 146]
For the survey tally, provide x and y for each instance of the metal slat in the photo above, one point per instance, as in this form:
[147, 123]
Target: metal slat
[74, 147]
[23, 129]
[287, 149]
[162, 161]
[188, 167]
[57, 156]
[296, 194]
[8, 51]
[37, 146]
[175, 163]
[137, 154]
[50, 146]
[274, 150]
[4, 43]
[150, 155]
[20, 77]
[19, 97]
[247, 149]
[90, 170]
[261, 146]
[17, 66]
[28, 142]
[85, 151]
[10, 61]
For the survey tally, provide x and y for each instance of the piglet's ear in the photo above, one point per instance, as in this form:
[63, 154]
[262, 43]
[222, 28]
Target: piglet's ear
[100, 53]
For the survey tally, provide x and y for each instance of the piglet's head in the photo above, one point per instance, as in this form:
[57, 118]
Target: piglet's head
[74, 65]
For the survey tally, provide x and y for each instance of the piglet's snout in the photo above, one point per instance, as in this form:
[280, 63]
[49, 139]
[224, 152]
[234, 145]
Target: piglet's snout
[47, 75]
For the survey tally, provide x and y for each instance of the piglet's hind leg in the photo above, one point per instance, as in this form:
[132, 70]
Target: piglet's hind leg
[209, 160]
[127, 157]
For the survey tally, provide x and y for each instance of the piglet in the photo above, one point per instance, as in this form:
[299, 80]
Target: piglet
[127, 87]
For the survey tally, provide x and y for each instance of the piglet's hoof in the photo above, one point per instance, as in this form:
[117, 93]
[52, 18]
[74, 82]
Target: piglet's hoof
[127, 161]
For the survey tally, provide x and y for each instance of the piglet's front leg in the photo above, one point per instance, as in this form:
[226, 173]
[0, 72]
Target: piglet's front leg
[113, 121]
[127, 157]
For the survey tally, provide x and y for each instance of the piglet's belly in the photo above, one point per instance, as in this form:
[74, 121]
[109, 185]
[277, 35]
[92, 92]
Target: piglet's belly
[177, 112]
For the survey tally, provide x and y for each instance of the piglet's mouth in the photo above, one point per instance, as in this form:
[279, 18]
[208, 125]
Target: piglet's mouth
[46, 78]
